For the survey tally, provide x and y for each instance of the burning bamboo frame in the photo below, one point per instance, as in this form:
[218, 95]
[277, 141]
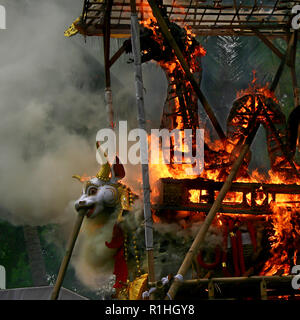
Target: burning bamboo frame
[175, 196]
[214, 286]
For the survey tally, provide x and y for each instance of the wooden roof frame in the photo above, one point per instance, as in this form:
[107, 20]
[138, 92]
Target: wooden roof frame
[205, 17]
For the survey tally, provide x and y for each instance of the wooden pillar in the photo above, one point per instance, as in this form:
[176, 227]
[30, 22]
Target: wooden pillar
[135, 40]
[106, 48]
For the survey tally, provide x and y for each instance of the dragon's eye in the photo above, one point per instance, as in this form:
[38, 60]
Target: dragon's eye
[92, 191]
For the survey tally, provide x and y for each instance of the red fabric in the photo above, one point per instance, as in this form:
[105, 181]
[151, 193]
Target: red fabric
[119, 169]
[237, 247]
[120, 268]
[234, 250]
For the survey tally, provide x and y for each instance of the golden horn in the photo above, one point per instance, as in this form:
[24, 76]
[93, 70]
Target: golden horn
[105, 170]
[76, 176]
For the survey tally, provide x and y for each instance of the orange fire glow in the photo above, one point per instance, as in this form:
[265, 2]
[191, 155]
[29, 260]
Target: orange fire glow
[286, 207]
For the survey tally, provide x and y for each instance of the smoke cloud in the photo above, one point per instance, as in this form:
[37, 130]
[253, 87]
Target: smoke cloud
[52, 105]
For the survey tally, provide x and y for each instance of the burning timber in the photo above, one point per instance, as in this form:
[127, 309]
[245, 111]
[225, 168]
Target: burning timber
[199, 194]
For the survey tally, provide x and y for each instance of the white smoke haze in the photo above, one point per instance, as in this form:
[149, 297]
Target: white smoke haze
[52, 105]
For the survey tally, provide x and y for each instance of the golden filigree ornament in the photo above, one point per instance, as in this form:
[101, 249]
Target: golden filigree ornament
[72, 30]
[137, 287]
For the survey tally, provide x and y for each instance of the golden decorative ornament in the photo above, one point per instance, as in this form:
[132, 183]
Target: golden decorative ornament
[72, 30]
[104, 172]
[76, 176]
[137, 287]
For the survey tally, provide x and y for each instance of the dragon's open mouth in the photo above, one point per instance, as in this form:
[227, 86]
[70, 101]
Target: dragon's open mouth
[90, 210]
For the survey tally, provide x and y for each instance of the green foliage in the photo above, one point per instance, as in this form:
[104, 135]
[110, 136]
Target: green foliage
[13, 256]
[53, 251]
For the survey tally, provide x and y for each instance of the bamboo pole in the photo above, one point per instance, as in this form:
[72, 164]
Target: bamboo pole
[135, 40]
[268, 279]
[67, 257]
[269, 44]
[173, 44]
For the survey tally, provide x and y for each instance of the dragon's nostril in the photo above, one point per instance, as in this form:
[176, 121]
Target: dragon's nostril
[81, 203]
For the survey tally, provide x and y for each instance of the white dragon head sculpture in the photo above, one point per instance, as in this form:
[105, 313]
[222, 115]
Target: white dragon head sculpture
[103, 194]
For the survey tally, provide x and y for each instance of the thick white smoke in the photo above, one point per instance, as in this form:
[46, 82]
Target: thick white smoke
[52, 105]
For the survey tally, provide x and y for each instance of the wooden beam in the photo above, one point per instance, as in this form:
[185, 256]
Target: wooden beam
[269, 44]
[116, 56]
[282, 64]
[267, 279]
[123, 30]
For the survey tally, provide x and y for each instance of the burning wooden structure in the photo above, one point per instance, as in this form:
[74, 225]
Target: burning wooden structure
[225, 190]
